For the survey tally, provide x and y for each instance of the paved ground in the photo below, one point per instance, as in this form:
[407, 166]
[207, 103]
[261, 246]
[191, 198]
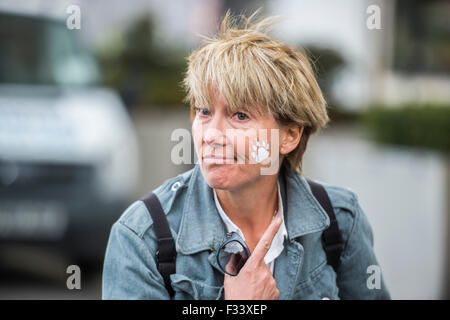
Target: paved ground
[35, 274]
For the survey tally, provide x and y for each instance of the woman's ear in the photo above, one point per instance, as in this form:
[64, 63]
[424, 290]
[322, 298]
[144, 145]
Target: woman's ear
[290, 138]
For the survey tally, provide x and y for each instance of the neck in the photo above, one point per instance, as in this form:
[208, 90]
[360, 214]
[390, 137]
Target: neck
[251, 207]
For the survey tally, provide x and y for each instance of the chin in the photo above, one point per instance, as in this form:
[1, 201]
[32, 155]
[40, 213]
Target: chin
[222, 176]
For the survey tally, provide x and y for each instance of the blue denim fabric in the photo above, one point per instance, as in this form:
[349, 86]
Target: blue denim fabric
[301, 271]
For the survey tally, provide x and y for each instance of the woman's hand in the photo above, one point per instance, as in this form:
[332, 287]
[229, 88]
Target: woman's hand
[255, 281]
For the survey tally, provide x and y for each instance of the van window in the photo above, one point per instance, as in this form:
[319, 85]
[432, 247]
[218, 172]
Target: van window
[42, 51]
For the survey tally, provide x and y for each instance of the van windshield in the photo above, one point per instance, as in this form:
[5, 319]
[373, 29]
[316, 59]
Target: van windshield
[41, 51]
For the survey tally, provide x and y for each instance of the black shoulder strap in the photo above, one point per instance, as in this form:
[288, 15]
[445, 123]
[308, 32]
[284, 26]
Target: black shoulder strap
[331, 237]
[166, 253]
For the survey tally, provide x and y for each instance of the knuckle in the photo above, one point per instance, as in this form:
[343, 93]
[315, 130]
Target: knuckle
[266, 268]
[251, 262]
[247, 269]
[277, 293]
[247, 272]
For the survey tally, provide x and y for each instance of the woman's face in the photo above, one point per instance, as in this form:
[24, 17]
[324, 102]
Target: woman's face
[234, 149]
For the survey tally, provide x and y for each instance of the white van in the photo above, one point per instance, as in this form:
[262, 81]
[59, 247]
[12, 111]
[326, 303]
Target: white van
[68, 150]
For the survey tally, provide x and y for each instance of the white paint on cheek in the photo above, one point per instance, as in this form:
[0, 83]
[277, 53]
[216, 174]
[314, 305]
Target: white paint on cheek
[260, 151]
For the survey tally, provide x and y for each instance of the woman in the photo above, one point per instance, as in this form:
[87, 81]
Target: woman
[254, 104]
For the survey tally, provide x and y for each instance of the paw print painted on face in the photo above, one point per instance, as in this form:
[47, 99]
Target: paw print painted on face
[260, 151]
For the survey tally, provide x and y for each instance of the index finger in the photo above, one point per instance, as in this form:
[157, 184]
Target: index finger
[266, 241]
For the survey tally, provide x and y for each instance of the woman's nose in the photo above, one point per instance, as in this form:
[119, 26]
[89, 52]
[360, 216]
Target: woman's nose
[214, 136]
[215, 132]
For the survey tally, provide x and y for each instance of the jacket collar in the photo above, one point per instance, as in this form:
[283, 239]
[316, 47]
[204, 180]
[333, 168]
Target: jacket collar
[202, 229]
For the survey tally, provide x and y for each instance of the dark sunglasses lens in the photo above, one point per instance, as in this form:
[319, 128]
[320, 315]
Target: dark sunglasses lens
[232, 257]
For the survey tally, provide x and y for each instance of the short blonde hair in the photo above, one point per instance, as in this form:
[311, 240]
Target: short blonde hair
[253, 72]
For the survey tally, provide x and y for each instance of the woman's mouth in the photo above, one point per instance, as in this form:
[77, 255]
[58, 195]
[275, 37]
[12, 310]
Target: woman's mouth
[217, 159]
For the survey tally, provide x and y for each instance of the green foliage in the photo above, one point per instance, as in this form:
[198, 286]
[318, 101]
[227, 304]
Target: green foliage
[140, 70]
[342, 116]
[426, 125]
[326, 62]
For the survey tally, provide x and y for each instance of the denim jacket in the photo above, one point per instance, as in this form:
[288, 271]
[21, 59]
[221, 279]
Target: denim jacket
[301, 270]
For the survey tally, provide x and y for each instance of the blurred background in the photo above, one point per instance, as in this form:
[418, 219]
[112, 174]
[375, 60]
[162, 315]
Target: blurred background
[86, 117]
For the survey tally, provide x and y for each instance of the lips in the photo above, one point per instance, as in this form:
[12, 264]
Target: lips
[211, 158]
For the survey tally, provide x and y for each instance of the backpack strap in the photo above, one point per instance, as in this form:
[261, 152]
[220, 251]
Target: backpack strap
[166, 252]
[331, 237]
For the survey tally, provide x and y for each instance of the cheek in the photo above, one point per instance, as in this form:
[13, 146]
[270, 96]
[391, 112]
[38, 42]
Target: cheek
[261, 146]
[196, 135]
[240, 147]
[253, 146]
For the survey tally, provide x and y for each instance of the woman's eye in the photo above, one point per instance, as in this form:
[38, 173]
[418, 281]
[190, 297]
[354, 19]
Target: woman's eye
[203, 111]
[241, 116]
